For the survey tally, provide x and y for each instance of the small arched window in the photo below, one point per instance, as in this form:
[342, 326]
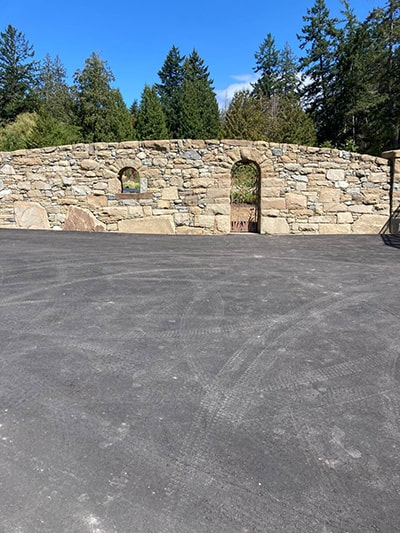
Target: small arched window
[130, 180]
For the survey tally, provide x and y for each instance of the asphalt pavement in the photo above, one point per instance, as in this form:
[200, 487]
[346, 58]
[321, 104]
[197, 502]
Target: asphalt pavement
[177, 384]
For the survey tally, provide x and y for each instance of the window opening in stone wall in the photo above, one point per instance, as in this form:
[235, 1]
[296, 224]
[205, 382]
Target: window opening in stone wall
[245, 192]
[130, 180]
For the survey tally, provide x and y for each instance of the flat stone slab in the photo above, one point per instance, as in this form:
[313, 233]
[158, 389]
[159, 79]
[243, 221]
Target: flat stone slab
[176, 384]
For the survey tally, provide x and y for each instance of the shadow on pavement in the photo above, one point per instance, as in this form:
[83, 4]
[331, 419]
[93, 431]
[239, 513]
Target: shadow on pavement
[390, 232]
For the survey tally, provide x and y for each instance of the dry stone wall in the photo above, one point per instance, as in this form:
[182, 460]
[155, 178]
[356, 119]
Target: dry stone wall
[186, 185]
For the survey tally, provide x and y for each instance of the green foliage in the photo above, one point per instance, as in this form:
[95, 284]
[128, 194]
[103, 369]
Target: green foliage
[245, 178]
[15, 135]
[276, 119]
[267, 61]
[17, 75]
[55, 96]
[50, 131]
[170, 90]
[102, 114]
[319, 39]
[150, 123]
[199, 108]
[130, 179]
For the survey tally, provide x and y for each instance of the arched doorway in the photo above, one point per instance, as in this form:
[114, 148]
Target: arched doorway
[245, 194]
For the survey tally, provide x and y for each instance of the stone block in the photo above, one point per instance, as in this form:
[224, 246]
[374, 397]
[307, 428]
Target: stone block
[30, 215]
[164, 204]
[204, 221]
[274, 226]
[135, 211]
[79, 219]
[361, 209]
[169, 193]
[294, 201]
[329, 196]
[345, 218]
[96, 201]
[182, 219]
[162, 225]
[223, 223]
[335, 174]
[273, 203]
[369, 224]
[334, 229]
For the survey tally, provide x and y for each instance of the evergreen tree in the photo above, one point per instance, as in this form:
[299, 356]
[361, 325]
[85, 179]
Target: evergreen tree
[320, 40]
[267, 62]
[287, 83]
[17, 75]
[151, 122]
[49, 131]
[56, 118]
[55, 96]
[102, 114]
[355, 95]
[384, 28]
[170, 90]
[273, 119]
[199, 108]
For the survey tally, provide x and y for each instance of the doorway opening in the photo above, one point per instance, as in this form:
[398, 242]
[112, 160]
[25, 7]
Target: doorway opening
[245, 197]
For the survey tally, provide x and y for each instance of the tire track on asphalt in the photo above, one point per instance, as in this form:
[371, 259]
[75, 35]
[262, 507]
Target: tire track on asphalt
[228, 397]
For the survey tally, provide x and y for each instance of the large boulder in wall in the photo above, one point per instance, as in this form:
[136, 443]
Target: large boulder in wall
[79, 219]
[30, 215]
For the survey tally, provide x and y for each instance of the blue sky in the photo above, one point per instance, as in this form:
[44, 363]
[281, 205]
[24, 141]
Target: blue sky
[135, 37]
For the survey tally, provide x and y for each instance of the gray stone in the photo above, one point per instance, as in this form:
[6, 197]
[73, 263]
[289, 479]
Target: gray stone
[191, 154]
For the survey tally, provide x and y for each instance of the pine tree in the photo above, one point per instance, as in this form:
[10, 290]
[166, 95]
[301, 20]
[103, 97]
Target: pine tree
[199, 108]
[17, 75]
[151, 122]
[355, 96]
[287, 83]
[384, 27]
[102, 114]
[170, 90]
[53, 91]
[319, 38]
[267, 61]
[273, 119]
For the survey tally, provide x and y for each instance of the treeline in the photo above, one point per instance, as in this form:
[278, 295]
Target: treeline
[343, 92]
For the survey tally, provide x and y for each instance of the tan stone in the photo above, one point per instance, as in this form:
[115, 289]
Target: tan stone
[79, 219]
[345, 218]
[273, 203]
[163, 225]
[334, 229]
[164, 204]
[114, 186]
[89, 164]
[135, 211]
[223, 223]
[294, 200]
[96, 201]
[274, 226]
[369, 224]
[205, 221]
[331, 196]
[170, 193]
[30, 215]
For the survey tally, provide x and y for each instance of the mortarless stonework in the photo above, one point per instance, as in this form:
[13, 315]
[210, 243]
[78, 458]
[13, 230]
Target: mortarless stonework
[186, 187]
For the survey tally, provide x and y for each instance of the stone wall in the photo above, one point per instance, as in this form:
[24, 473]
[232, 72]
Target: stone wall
[185, 188]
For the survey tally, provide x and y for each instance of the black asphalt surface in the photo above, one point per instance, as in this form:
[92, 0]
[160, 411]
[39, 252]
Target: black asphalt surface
[176, 384]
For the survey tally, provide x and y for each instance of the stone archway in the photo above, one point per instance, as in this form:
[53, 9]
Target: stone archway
[245, 197]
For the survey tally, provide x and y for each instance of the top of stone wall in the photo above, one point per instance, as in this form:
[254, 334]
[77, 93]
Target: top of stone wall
[198, 144]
